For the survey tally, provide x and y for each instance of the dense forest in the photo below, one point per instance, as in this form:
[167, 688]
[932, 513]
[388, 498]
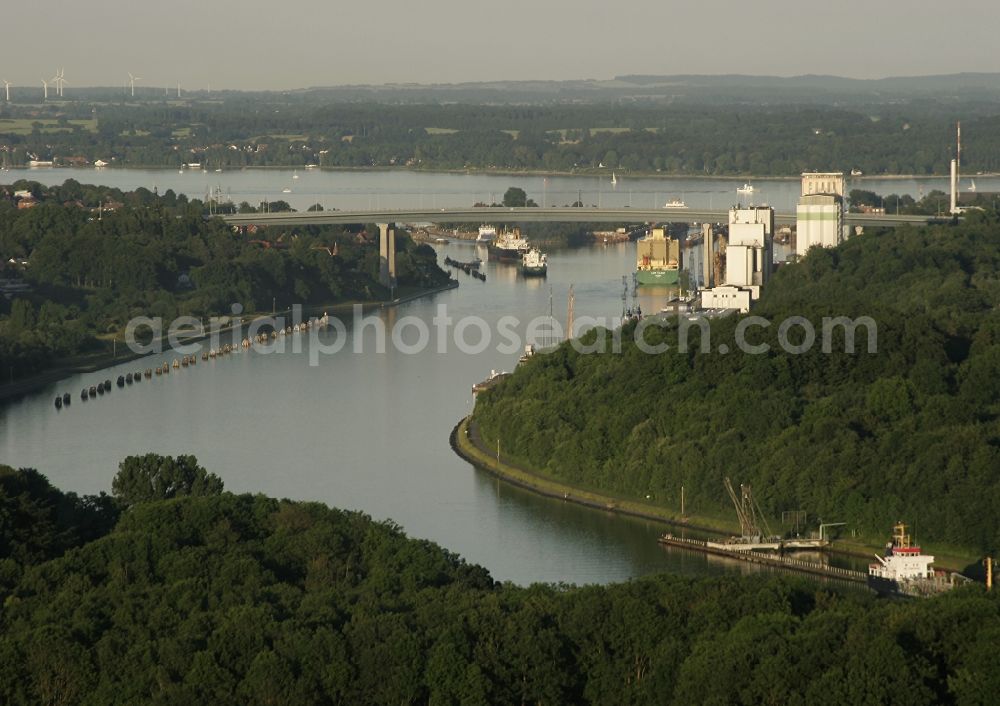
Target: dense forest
[738, 136]
[96, 257]
[172, 591]
[909, 432]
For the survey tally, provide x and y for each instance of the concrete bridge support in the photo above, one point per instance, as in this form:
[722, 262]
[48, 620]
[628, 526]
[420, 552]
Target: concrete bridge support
[387, 254]
[708, 257]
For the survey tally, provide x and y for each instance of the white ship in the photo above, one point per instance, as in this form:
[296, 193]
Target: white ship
[675, 203]
[745, 189]
[534, 263]
[906, 570]
[486, 233]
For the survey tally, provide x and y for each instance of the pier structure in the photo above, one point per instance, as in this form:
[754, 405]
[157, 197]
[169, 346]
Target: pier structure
[741, 553]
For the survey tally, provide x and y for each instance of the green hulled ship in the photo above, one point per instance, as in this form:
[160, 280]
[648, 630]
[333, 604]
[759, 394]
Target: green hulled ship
[658, 259]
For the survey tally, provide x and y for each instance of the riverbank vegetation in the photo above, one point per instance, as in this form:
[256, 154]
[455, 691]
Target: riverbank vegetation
[82, 261]
[908, 432]
[726, 135]
[174, 591]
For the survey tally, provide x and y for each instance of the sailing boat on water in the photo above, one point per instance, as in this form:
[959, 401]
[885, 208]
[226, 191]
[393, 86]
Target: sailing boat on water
[614, 179]
[972, 186]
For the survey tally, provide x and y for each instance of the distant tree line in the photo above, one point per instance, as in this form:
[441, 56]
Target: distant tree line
[781, 139]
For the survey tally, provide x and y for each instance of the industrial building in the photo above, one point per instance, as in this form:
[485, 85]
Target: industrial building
[823, 183]
[819, 215]
[749, 256]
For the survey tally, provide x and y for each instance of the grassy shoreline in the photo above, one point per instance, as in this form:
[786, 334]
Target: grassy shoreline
[952, 558]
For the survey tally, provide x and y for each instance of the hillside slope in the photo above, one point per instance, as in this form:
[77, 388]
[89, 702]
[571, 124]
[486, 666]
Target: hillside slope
[227, 599]
[908, 432]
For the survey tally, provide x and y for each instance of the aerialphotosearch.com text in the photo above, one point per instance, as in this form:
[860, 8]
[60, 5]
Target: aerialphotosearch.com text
[376, 332]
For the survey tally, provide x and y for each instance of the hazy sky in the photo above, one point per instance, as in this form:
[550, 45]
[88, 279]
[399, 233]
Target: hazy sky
[297, 43]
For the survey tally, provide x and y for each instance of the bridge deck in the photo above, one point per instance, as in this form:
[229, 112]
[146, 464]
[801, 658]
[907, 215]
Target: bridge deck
[553, 215]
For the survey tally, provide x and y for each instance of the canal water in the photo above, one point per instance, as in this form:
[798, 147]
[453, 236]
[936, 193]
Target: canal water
[365, 428]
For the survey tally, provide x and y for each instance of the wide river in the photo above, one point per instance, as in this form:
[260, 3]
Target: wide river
[367, 428]
[405, 189]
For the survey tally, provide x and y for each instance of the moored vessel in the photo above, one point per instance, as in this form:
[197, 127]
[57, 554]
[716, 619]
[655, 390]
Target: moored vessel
[904, 570]
[534, 263]
[509, 246]
[657, 259]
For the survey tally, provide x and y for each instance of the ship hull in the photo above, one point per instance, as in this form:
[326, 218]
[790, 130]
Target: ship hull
[914, 588]
[538, 271]
[505, 254]
[657, 276]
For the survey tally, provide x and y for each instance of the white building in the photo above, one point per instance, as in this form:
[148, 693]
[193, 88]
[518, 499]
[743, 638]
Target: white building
[749, 257]
[819, 220]
[729, 297]
[823, 183]
[819, 216]
[750, 251]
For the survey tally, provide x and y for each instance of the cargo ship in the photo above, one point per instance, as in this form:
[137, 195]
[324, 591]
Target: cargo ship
[658, 259]
[534, 263]
[486, 233]
[904, 570]
[509, 246]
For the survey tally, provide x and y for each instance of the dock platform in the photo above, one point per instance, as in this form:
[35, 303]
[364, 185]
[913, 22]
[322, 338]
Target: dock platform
[755, 557]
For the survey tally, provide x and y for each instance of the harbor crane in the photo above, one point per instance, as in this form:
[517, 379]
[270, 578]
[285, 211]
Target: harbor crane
[753, 525]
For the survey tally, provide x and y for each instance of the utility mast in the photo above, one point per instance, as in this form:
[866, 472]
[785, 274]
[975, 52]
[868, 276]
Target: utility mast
[569, 316]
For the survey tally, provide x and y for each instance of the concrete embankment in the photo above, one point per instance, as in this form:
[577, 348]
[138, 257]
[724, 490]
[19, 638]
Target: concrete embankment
[467, 443]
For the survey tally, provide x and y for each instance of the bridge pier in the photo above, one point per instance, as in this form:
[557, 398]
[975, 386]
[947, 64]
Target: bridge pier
[387, 254]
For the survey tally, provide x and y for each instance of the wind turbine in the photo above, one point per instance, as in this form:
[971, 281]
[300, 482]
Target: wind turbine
[60, 80]
[6, 85]
[178, 90]
[131, 82]
[45, 89]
